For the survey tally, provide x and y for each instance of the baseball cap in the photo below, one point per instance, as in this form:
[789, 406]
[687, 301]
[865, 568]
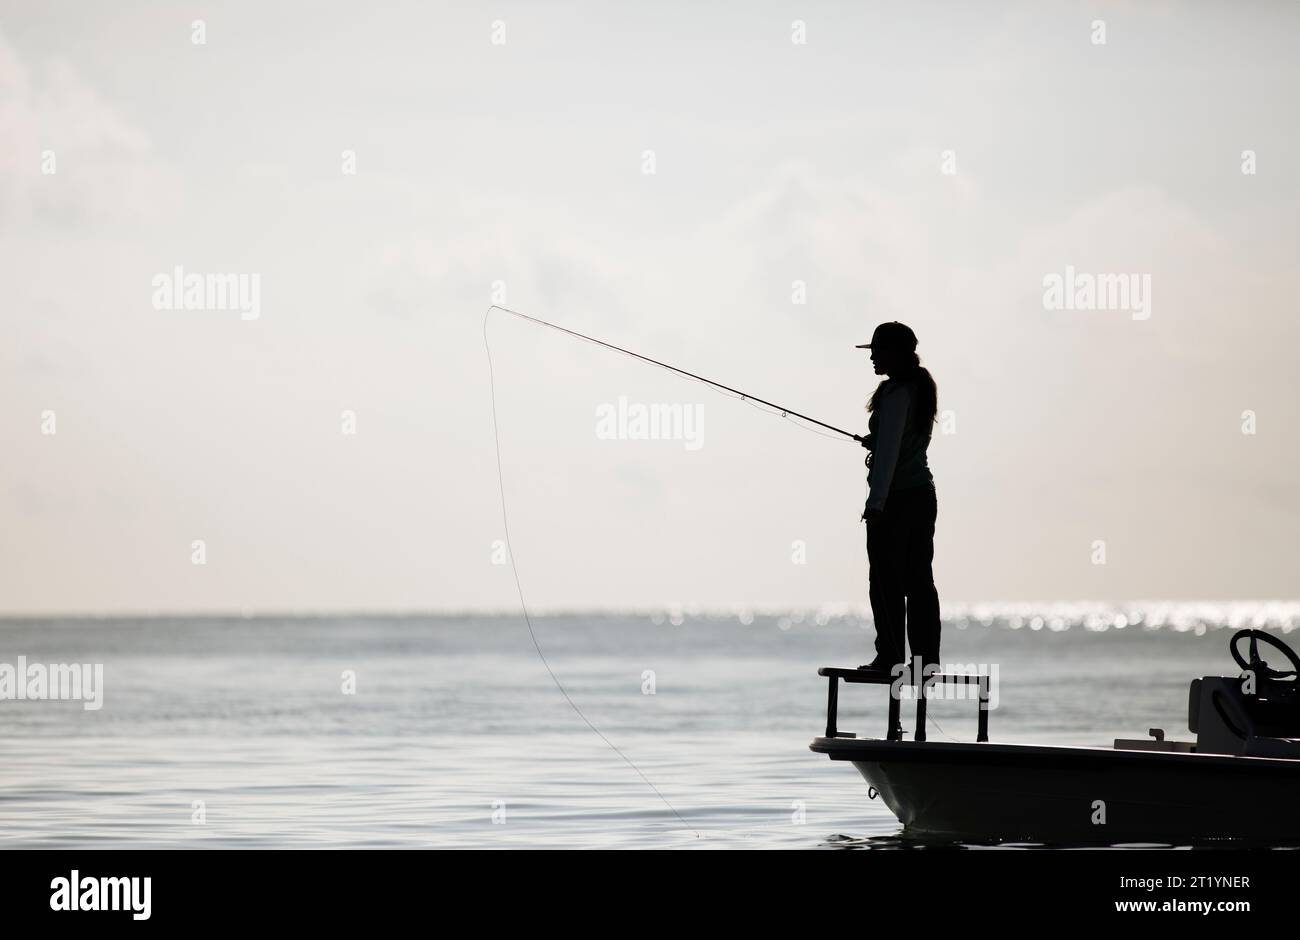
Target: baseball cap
[892, 335]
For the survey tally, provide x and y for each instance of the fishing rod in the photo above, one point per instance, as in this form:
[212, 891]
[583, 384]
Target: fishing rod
[745, 396]
[505, 515]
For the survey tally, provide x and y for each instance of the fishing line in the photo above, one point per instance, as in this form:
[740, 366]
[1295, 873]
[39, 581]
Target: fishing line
[941, 731]
[505, 521]
[799, 420]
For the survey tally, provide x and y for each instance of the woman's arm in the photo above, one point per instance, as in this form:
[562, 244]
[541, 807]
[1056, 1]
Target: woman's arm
[889, 438]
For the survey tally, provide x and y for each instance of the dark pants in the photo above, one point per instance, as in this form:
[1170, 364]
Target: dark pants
[900, 549]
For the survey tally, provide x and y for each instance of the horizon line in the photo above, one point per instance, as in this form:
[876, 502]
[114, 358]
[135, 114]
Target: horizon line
[952, 610]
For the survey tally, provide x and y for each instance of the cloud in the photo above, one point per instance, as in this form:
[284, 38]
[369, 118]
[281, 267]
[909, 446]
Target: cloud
[105, 168]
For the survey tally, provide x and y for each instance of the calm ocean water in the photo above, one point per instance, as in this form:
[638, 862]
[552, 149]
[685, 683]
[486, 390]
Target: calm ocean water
[457, 737]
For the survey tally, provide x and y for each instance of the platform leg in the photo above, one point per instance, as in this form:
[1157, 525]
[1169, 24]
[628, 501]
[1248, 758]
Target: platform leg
[983, 733]
[920, 714]
[832, 705]
[895, 727]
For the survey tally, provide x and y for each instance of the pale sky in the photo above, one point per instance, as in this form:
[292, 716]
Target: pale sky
[523, 162]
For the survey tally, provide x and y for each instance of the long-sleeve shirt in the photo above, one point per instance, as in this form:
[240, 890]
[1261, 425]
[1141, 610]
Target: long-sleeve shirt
[898, 459]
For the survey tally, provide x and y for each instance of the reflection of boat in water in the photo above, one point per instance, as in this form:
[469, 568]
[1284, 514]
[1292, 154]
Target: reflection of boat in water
[1240, 779]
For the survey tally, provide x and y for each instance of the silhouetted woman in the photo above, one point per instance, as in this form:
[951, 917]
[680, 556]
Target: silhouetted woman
[901, 505]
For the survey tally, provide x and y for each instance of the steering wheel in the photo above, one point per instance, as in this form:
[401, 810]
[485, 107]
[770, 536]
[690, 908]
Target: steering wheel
[1257, 665]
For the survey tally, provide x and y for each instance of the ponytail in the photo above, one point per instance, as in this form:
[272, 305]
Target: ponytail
[926, 397]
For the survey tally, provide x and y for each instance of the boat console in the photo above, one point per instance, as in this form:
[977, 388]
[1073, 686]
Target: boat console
[1256, 714]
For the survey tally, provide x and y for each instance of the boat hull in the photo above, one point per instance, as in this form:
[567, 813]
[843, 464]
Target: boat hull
[1077, 795]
